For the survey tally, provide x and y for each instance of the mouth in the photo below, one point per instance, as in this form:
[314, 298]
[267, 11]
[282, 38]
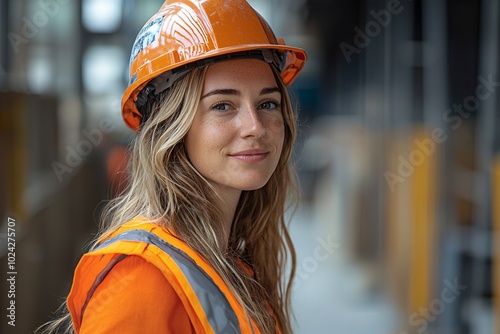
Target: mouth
[253, 155]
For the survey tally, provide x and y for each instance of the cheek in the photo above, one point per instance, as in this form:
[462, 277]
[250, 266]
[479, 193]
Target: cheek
[203, 139]
[276, 127]
[277, 124]
[213, 135]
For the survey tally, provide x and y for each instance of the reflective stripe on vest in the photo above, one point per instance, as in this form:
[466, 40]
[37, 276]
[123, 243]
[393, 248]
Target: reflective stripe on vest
[219, 312]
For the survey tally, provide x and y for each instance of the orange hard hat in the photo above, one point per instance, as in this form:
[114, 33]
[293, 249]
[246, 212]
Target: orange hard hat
[185, 34]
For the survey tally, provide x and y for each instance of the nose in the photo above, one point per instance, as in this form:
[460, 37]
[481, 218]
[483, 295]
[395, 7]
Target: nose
[251, 124]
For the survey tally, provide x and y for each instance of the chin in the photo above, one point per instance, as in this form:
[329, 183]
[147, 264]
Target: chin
[254, 185]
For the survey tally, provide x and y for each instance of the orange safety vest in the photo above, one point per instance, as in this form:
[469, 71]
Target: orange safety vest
[209, 303]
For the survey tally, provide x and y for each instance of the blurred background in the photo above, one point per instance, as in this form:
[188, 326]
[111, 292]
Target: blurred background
[398, 157]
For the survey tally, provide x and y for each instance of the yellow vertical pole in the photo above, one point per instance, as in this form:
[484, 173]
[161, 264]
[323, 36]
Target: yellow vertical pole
[423, 217]
[496, 241]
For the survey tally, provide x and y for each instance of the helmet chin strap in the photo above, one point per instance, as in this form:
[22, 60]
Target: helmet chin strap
[164, 81]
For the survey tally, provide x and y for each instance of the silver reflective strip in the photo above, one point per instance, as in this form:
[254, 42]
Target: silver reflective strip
[219, 312]
[98, 280]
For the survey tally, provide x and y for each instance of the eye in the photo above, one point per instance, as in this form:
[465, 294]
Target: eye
[222, 106]
[269, 105]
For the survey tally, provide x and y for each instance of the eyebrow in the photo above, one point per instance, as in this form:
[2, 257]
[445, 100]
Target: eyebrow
[264, 91]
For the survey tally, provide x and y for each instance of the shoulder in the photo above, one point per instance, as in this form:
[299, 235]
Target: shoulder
[134, 296]
[134, 269]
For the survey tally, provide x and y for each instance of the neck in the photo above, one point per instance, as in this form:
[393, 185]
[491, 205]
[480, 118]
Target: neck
[227, 201]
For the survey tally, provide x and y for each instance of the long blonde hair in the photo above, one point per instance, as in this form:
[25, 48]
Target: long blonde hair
[163, 186]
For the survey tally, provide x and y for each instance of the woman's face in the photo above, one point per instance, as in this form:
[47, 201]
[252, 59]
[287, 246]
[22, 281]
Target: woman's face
[237, 134]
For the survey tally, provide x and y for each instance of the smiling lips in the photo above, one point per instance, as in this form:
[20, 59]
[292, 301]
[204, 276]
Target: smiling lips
[253, 155]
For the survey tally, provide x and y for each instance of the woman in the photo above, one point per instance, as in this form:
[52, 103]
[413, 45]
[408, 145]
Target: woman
[197, 242]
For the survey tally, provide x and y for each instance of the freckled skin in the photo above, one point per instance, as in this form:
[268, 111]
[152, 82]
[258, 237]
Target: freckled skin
[226, 124]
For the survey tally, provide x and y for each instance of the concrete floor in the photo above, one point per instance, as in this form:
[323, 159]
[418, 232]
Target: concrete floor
[332, 294]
